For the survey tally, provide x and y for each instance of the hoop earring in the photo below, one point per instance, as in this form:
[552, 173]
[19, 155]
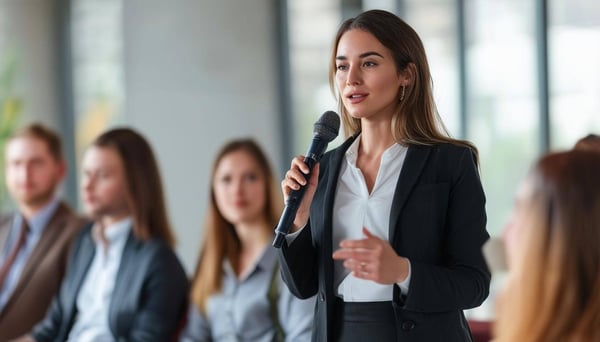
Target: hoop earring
[402, 93]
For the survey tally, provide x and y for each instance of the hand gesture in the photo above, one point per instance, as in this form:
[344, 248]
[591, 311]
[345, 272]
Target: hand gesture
[372, 258]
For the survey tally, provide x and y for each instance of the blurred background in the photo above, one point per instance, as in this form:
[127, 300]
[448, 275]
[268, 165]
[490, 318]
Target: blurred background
[516, 77]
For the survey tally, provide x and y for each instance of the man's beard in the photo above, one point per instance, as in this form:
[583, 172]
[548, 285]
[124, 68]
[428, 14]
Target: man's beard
[39, 199]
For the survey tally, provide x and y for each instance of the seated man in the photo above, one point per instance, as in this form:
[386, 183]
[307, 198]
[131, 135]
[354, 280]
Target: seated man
[35, 241]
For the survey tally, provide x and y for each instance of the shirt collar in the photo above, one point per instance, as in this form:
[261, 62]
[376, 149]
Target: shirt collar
[352, 151]
[393, 152]
[267, 259]
[38, 222]
[265, 262]
[390, 153]
[113, 233]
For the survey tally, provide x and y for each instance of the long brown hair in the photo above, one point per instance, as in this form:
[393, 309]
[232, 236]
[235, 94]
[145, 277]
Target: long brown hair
[417, 121]
[553, 288]
[220, 239]
[144, 186]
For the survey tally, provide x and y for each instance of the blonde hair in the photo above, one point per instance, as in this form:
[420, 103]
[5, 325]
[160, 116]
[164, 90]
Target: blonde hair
[220, 239]
[553, 288]
[417, 121]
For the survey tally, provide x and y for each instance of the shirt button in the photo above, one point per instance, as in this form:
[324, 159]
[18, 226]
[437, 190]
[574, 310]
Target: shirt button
[408, 325]
[321, 297]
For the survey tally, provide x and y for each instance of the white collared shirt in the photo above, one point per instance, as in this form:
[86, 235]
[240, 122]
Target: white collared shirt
[93, 300]
[354, 208]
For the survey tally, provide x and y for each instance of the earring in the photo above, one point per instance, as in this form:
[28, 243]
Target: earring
[402, 93]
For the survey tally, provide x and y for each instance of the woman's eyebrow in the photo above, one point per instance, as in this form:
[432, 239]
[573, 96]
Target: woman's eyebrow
[362, 55]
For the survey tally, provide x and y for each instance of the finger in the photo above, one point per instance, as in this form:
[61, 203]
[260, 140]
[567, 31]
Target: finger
[288, 185]
[298, 163]
[362, 275]
[297, 160]
[362, 272]
[361, 255]
[362, 243]
[360, 269]
[352, 266]
[357, 265]
[295, 177]
[367, 233]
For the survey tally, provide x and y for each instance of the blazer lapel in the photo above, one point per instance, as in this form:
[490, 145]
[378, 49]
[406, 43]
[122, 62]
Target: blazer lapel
[83, 260]
[127, 271]
[77, 271]
[5, 231]
[333, 173]
[416, 156]
[41, 249]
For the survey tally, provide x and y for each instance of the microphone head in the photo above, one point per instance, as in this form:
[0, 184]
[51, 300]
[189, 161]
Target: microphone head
[327, 127]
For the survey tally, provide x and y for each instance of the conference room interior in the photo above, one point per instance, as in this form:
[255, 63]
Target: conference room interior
[518, 78]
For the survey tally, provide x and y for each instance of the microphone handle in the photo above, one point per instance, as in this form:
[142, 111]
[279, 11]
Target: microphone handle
[291, 205]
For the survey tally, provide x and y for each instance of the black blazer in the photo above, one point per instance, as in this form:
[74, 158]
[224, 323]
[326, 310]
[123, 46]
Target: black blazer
[437, 221]
[149, 297]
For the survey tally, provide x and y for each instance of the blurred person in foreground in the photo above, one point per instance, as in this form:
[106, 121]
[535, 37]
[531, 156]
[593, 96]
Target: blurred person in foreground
[552, 291]
[590, 142]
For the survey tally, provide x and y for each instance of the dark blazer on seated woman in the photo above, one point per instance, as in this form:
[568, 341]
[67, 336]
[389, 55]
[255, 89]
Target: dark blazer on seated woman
[149, 297]
[437, 221]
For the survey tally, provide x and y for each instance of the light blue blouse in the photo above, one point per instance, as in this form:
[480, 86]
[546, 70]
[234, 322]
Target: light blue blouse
[241, 311]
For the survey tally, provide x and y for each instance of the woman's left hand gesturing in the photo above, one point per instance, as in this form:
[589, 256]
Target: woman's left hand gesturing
[372, 258]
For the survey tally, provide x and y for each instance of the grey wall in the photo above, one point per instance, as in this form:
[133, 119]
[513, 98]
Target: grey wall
[198, 73]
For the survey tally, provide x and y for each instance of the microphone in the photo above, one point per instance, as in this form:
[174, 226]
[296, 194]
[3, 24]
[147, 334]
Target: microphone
[325, 130]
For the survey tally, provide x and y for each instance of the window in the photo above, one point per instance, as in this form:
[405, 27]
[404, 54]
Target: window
[574, 33]
[312, 26]
[97, 53]
[97, 69]
[436, 24]
[502, 101]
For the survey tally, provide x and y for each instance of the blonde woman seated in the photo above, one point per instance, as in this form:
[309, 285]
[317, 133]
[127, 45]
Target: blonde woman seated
[553, 249]
[238, 293]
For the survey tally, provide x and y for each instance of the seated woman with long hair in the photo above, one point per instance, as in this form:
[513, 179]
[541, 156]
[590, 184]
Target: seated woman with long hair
[237, 292]
[553, 248]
